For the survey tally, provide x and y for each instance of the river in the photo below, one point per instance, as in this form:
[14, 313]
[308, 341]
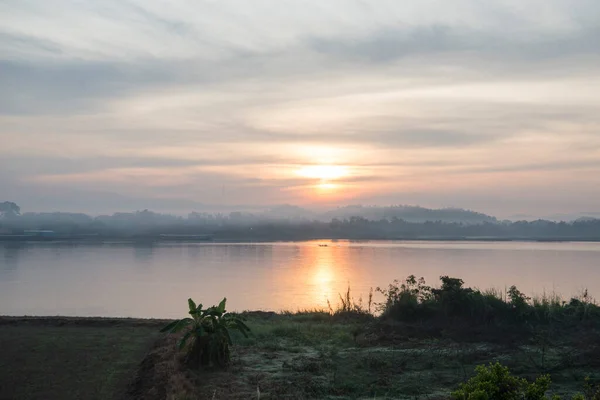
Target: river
[128, 280]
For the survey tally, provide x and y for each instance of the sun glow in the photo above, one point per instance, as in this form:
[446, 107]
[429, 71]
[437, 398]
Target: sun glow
[323, 172]
[326, 186]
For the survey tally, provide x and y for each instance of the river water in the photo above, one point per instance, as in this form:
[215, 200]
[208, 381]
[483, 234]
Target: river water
[156, 280]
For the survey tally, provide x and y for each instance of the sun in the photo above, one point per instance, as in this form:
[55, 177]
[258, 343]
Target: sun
[327, 177]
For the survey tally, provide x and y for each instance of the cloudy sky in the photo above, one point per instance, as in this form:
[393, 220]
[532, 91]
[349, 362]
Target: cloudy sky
[110, 105]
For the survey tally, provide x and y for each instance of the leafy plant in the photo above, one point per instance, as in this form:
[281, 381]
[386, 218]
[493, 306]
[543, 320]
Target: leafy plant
[412, 300]
[452, 297]
[407, 300]
[207, 334]
[591, 392]
[519, 302]
[495, 382]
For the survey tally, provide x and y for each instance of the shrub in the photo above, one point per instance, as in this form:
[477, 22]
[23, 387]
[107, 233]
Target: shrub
[495, 382]
[591, 392]
[413, 300]
[519, 302]
[407, 300]
[207, 334]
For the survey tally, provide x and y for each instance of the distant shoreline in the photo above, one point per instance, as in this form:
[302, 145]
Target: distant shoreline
[151, 240]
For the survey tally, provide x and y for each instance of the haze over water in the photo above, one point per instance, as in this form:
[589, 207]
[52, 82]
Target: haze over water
[155, 280]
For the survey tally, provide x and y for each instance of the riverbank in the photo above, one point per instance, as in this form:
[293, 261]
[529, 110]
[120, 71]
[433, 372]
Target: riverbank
[303, 355]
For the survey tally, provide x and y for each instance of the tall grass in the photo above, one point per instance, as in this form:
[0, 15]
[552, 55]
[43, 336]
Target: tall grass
[348, 305]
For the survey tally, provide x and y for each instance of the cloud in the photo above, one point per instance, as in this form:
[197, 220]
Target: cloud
[125, 98]
[88, 54]
[70, 88]
[389, 45]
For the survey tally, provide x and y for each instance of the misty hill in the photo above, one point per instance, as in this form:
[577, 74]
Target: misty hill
[288, 211]
[373, 213]
[586, 219]
[376, 213]
[410, 214]
[293, 223]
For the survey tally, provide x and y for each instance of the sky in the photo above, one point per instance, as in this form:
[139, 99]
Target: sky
[116, 105]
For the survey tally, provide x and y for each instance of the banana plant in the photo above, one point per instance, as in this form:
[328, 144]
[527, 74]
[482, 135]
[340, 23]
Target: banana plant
[206, 334]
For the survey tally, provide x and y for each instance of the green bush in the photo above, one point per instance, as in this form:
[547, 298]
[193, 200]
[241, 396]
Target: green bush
[207, 332]
[413, 300]
[519, 303]
[406, 301]
[495, 382]
[452, 297]
[591, 392]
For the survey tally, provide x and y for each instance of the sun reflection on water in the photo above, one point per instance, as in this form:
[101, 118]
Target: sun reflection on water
[318, 277]
[323, 275]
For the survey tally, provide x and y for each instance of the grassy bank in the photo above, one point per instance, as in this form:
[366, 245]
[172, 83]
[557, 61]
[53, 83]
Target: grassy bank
[301, 356]
[423, 343]
[319, 356]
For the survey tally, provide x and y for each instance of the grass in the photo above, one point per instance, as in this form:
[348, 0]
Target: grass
[70, 359]
[316, 357]
[309, 355]
[422, 343]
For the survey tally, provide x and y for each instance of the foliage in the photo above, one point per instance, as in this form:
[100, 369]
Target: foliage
[407, 300]
[414, 300]
[518, 302]
[591, 392]
[495, 382]
[9, 209]
[452, 297]
[208, 332]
